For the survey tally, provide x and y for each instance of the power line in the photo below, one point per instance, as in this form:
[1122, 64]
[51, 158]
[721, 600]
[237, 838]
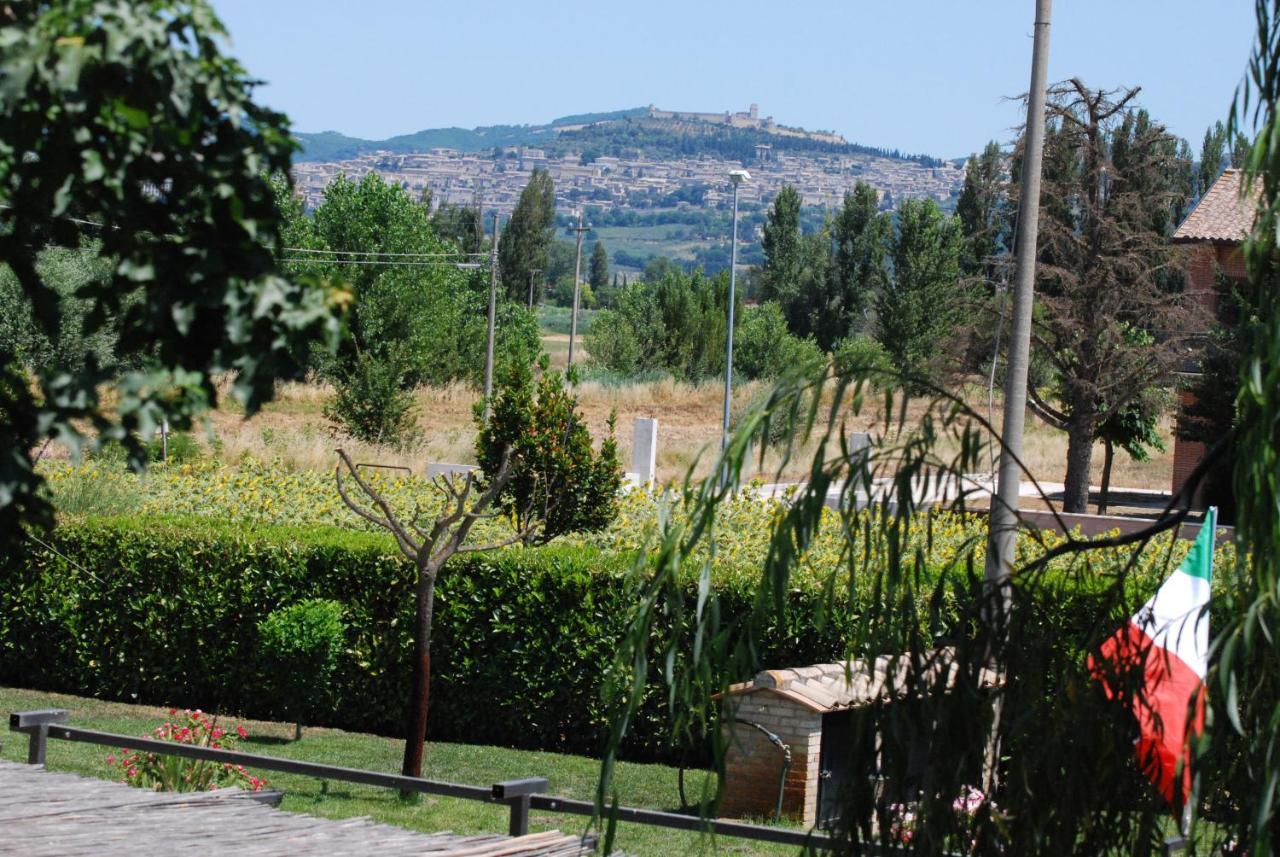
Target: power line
[442, 263]
[451, 253]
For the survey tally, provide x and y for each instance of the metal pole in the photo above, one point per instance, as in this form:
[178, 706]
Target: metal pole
[733, 280]
[1003, 522]
[577, 279]
[493, 300]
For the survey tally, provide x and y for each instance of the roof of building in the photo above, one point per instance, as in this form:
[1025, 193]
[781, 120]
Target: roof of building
[1222, 215]
[851, 684]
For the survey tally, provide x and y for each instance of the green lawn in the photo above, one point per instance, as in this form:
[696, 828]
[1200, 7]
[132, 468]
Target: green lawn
[650, 786]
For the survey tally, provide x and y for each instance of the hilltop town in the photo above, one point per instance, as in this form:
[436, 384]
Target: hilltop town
[641, 180]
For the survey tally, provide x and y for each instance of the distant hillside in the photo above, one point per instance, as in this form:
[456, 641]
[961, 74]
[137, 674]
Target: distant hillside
[621, 133]
[662, 139]
[333, 146]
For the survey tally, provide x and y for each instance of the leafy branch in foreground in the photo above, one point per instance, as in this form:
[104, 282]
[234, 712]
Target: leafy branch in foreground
[127, 119]
[1060, 751]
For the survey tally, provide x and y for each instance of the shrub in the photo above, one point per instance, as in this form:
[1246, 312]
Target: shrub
[299, 650]
[862, 356]
[371, 402]
[558, 478]
[764, 348]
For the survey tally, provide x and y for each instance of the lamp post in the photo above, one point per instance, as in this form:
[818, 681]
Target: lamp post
[736, 177]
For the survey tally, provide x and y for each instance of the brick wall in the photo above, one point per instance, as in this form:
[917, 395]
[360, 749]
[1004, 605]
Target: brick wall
[753, 764]
[1186, 453]
[1204, 260]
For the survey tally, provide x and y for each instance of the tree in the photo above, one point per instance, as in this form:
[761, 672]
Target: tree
[129, 115]
[461, 224]
[558, 484]
[549, 447]
[598, 276]
[781, 243]
[917, 310]
[1213, 157]
[1106, 201]
[983, 212]
[859, 269]
[524, 243]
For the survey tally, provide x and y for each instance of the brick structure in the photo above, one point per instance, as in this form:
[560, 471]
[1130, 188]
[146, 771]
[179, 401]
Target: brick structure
[795, 705]
[1213, 234]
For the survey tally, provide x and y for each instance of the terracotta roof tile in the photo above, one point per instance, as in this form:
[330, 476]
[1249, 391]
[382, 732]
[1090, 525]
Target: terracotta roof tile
[1221, 215]
[851, 684]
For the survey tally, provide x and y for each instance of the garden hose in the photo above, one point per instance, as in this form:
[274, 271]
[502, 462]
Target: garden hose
[786, 760]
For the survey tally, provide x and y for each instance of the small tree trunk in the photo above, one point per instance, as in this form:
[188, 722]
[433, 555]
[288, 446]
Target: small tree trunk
[1079, 455]
[416, 732]
[1108, 456]
[297, 731]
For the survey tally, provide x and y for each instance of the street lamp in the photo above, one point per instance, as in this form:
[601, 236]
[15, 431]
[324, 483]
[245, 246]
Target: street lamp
[736, 177]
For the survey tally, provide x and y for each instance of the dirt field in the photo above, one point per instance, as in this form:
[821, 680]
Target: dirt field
[294, 430]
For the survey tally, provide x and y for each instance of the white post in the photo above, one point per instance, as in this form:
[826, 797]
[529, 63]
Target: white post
[644, 450]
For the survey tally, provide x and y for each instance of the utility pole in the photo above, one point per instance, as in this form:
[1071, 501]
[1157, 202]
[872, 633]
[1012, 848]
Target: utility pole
[1003, 521]
[493, 300]
[736, 177]
[577, 281]
[532, 272]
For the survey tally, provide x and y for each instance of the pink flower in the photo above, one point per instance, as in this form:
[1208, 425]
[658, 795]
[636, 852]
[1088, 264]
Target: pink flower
[218, 733]
[111, 759]
[242, 732]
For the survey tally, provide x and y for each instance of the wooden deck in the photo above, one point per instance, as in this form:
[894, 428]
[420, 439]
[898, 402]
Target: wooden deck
[49, 813]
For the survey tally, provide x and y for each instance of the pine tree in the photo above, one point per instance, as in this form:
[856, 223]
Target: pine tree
[917, 311]
[523, 246]
[1108, 192]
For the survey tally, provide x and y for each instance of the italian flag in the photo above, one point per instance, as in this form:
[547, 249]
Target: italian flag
[1166, 645]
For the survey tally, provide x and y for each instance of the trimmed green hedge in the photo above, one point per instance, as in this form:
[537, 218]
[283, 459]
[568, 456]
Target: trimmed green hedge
[165, 611]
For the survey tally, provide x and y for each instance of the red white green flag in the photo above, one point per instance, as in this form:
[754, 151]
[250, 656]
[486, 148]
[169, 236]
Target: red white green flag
[1168, 641]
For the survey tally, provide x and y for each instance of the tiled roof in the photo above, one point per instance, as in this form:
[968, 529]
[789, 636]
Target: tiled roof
[1221, 215]
[850, 684]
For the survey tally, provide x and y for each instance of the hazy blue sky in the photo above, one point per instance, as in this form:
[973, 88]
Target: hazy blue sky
[925, 76]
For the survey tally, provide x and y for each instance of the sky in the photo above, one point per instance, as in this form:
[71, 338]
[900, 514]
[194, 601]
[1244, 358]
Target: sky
[923, 76]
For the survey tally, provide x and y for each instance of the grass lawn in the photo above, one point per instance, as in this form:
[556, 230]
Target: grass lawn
[649, 786]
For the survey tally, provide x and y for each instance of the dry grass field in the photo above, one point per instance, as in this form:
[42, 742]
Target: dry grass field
[294, 430]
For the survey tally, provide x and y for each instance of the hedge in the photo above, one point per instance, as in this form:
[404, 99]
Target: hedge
[166, 611]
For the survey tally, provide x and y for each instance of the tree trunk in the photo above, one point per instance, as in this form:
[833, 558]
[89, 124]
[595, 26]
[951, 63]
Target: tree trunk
[416, 727]
[1107, 458]
[1079, 455]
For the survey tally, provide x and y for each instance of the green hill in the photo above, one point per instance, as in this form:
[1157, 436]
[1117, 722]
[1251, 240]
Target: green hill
[333, 146]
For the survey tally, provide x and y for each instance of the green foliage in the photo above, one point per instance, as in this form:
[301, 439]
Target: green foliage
[1067, 779]
[461, 224]
[412, 323]
[128, 114]
[1246, 678]
[984, 212]
[862, 357]
[300, 645]
[559, 483]
[918, 310]
[524, 243]
[372, 403]
[676, 324]
[859, 269]
[66, 271]
[764, 348]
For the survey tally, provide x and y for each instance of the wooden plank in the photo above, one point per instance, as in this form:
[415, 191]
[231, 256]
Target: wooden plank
[44, 814]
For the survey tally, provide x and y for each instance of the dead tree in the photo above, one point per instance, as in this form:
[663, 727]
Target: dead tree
[429, 548]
